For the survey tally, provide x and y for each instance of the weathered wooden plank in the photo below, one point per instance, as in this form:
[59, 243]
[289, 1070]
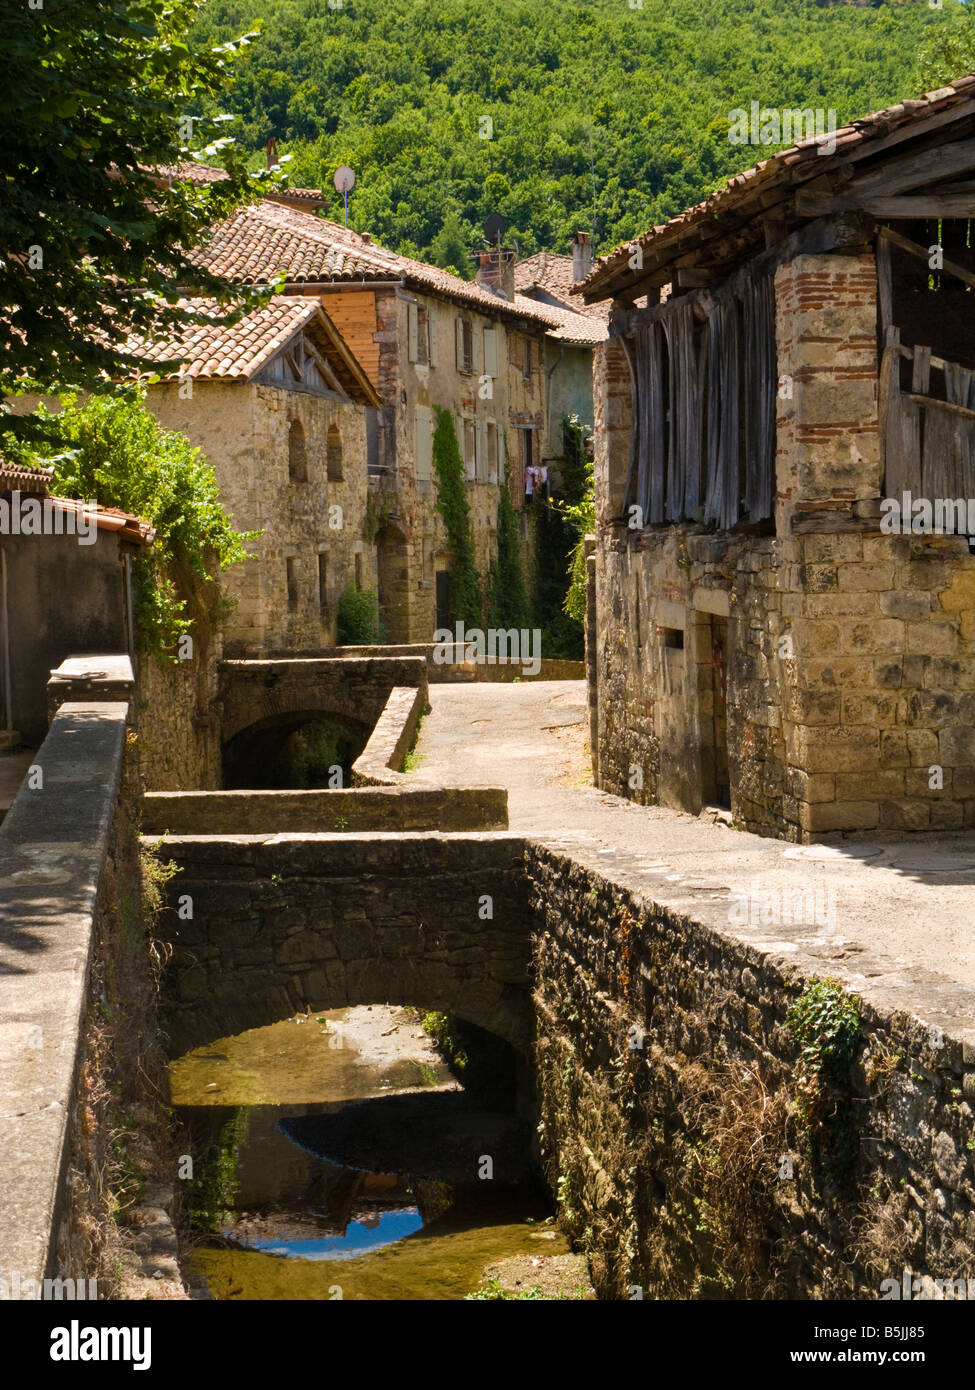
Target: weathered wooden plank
[885, 289]
[921, 374]
[917, 170]
[813, 204]
[931, 402]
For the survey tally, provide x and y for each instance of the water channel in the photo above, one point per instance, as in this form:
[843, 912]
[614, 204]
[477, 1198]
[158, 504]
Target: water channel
[335, 1156]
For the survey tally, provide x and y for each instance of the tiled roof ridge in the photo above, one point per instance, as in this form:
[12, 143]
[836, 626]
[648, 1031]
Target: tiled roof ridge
[366, 259]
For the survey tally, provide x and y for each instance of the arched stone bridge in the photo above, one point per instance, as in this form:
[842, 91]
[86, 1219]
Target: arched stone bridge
[287, 922]
[259, 694]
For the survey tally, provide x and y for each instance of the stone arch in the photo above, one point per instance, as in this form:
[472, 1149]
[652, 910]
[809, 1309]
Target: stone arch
[252, 692]
[297, 454]
[332, 920]
[333, 453]
[249, 758]
[242, 1009]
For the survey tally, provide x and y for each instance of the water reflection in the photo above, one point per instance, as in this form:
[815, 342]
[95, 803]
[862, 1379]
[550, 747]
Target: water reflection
[371, 1233]
[313, 1173]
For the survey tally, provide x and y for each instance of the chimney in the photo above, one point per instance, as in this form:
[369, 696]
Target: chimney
[496, 272]
[581, 255]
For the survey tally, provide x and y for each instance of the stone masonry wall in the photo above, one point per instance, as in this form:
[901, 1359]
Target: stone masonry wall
[327, 921]
[849, 669]
[243, 431]
[666, 1078]
[420, 550]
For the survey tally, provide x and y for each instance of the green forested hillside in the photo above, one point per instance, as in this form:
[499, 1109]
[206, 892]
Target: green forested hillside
[604, 114]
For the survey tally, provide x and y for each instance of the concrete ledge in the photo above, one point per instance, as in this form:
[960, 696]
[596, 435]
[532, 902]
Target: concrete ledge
[457, 669]
[312, 812]
[381, 761]
[53, 848]
[90, 678]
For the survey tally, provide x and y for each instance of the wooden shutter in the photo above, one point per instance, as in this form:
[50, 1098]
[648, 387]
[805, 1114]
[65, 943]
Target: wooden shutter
[470, 457]
[432, 317]
[423, 443]
[459, 343]
[491, 444]
[480, 451]
[490, 352]
[412, 331]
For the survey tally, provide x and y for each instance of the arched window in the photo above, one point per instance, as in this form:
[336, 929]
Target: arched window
[334, 454]
[297, 462]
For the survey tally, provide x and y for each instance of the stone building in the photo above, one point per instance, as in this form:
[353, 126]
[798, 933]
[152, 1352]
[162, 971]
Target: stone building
[283, 411]
[548, 279]
[65, 590]
[426, 339]
[768, 632]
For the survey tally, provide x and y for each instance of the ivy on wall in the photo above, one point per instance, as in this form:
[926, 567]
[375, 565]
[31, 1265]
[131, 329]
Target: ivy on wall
[507, 598]
[452, 504]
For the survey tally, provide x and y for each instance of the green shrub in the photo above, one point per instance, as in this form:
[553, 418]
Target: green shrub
[359, 623]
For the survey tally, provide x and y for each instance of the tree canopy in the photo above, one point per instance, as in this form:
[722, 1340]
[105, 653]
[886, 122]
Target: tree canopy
[602, 115]
[100, 95]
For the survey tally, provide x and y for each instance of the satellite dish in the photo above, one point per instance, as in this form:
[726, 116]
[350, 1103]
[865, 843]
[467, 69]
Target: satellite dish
[344, 179]
[495, 226]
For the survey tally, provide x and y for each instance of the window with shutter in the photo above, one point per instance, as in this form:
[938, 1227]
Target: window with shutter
[423, 337]
[465, 347]
[470, 450]
[459, 343]
[491, 444]
[480, 455]
[412, 331]
[423, 443]
[490, 352]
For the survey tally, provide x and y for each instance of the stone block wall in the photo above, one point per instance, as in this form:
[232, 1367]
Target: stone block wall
[666, 1077]
[328, 921]
[849, 663]
[243, 430]
[420, 550]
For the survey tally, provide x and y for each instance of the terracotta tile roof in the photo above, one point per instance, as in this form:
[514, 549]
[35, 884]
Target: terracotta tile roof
[566, 325]
[237, 352]
[130, 528]
[268, 239]
[16, 477]
[196, 173]
[553, 274]
[209, 173]
[35, 482]
[754, 186]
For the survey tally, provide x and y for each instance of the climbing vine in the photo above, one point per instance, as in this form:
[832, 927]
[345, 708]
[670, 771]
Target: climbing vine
[507, 599]
[453, 506]
[113, 450]
[825, 1021]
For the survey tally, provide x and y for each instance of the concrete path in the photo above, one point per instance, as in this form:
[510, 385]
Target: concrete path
[901, 910]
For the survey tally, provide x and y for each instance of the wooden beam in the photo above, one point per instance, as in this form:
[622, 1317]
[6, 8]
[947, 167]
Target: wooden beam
[924, 205]
[918, 170]
[885, 286]
[913, 249]
[691, 279]
[950, 406]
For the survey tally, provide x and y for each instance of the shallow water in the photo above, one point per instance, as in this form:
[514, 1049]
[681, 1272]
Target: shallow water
[314, 1221]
